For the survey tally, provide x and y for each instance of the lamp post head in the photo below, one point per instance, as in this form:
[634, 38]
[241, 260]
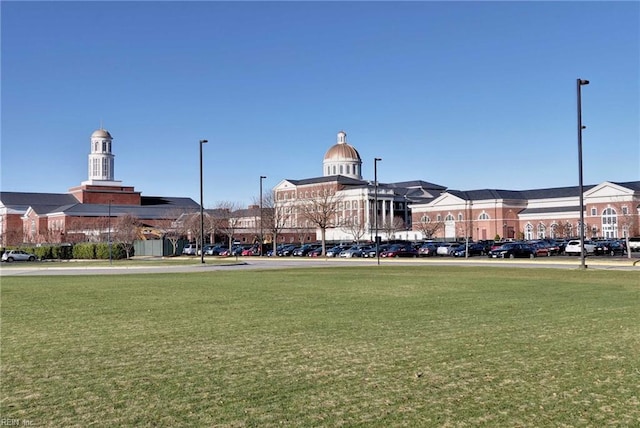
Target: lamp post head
[583, 82]
[377, 159]
[204, 141]
[262, 177]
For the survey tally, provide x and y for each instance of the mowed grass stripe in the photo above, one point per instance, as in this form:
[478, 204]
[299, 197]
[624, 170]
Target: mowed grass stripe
[348, 346]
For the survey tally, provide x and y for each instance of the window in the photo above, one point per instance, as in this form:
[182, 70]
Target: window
[528, 231]
[594, 212]
[610, 223]
[348, 169]
[542, 231]
[439, 217]
[459, 216]
[625, 210]
[425, 219]
[483, 216]
[449, 217]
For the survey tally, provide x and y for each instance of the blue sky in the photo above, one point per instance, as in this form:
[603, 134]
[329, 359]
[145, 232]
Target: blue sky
[467, 95]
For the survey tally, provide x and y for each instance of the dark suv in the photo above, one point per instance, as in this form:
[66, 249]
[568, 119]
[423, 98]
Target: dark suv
[511, 250]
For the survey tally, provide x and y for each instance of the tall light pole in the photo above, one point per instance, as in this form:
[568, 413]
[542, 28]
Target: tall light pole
[262, 177]
[201, 207]
[579, 84]
[375, 205]
[109, 233]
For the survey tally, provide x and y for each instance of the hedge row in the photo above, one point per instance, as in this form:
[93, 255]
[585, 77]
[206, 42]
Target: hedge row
[87, 251]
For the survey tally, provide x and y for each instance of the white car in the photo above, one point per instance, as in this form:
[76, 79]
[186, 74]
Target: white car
[17, 256]
[447, 249]
[189, 250]
[573, 247]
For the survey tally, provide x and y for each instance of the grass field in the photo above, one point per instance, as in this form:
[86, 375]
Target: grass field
[388, 346]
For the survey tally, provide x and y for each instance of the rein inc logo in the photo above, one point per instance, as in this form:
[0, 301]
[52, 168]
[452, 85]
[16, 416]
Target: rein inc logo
[7, 422]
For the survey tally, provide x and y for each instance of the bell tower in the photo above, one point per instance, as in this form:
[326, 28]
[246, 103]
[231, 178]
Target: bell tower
[101, 188]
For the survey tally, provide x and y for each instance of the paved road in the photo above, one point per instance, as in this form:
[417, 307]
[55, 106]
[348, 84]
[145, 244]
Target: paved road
[67, 268]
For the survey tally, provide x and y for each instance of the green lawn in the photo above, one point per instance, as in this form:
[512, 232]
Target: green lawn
[351, 346]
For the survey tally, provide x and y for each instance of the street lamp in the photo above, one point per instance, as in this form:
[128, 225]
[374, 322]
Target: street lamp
[579, 84]
[375, 205]
[262, 177]
[201, 207]
[109, 233]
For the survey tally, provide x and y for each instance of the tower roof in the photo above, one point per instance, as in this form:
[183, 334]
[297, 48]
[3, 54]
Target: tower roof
[101, 133]
[342, 150]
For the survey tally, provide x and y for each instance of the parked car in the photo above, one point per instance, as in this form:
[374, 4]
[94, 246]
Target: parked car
[573, 247]
[371, 253]
[355, 251]
[610, 248]
[541, 248]
[17, 256]
[427, 250]
[475, 249]
[282, 249]
[189, 250]
[447, 248]
[335, 251]
[399, 250]
[214, 250]
[634, 243]
[316, 252]
[304, 250]
[511, 250]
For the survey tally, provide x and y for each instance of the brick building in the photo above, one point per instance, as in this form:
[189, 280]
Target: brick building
[418, 210]
[87, 212]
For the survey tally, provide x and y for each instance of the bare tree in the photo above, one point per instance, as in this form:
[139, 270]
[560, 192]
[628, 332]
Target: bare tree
[229, 223]
[127, 231]
[391, 225]
[429, 228]
[354, 227]
[321, 210]
[565, 229]
[174, 226]
[275, 217]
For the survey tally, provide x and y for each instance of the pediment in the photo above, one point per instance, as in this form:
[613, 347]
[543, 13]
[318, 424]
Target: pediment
[607, 189]
[446, 199]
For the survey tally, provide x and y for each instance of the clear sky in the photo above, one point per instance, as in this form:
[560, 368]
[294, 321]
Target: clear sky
[468, 95]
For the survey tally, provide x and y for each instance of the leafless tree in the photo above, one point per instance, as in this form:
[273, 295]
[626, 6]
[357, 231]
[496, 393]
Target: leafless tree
[127, 231]
[275, 217]
[565, 229]
[229, 223]
[429, 228]
[391, 225]
[320, 210]
[174, 226]
[354, 227]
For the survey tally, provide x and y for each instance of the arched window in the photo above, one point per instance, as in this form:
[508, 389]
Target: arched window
[553, 231]
[610, 223]
[483, 216]
[460, 217]
[449, 217]
[425, 219]
[542, 231]
[528, 231]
